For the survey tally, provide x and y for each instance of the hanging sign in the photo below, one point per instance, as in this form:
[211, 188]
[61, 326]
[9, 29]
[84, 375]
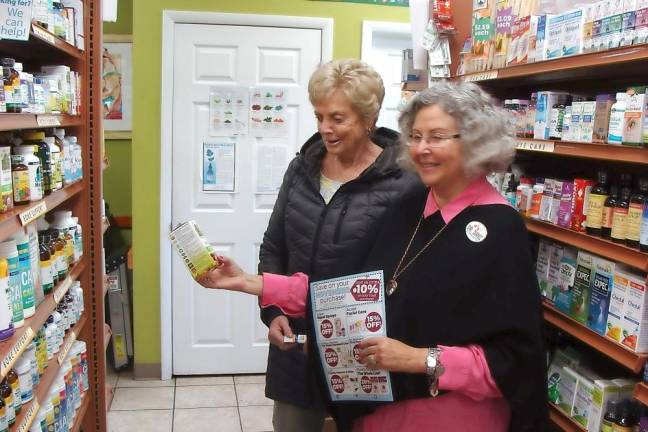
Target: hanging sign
[15, 18]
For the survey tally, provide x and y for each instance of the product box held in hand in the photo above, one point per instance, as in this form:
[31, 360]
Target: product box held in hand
[193, 248]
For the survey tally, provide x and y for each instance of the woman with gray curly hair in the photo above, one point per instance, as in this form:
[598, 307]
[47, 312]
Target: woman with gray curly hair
[464, 323]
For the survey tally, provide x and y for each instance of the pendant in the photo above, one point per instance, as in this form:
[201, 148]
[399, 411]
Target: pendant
[391, 286]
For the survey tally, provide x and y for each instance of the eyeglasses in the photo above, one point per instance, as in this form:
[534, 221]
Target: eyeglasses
[431, 141]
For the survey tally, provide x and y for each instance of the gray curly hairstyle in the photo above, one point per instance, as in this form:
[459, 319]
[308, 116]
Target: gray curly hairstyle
[486, 135]
[356, 79]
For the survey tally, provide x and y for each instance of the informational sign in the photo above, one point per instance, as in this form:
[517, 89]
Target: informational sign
[218, 166]
[537, 146]
[15, 19]
[33, 213]
[16, 351]
[271, 166]
[228, 111]
[347, 310]
[268, 112]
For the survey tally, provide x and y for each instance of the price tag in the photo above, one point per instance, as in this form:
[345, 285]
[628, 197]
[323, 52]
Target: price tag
[62, 290]
[16, 351]
[66, 348]
[33, 213]
[536, 146]
[44, 34]
[29, 417]
[480, 76]
[48, 121]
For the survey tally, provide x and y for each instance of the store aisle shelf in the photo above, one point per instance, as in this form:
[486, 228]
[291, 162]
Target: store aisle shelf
[605, 152]
[11, 349]
[599, 246]
[10, 221]
[611, 349]
[641, 393]
[561, 420]
[9, 121]
[41, 44]
[25, 418]
[80, 413]
[584, 66]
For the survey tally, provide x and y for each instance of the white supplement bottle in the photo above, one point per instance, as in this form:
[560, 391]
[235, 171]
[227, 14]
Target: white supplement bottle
[615, 131]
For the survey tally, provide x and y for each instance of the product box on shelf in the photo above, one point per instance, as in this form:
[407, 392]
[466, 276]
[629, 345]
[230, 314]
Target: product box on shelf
[588, 24]
[555, 205]
[566, 203]
[644, 134]
[567, 389]
[579, 308]
[546, 101]
[629, 20]
[541, 39]
[533, 34]
[546, 202]
[545, 250]
[575, 126]
[602, 283]
[641, 27]
[602, 117]
[580, 203]
[587, 122]
[635, 315]
[604, 391]
[582, 401]
[626, 387]
[617, 306]
[634, 117]
[572, 35]
[566, 279]
[615, 31]
[555, 30]
[553, 275]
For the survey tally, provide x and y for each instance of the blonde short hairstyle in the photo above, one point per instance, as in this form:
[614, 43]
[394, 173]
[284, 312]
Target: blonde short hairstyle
[356, 79]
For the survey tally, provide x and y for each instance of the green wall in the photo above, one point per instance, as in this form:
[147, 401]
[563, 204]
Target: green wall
[117, 179]
[147, 40]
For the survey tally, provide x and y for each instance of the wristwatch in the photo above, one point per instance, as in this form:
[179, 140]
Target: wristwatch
[434, 369]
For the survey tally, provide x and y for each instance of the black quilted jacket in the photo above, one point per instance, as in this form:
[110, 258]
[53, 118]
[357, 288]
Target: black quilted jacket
[306, 235]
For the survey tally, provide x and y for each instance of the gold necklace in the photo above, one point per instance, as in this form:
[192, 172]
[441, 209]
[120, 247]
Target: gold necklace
[392, 285]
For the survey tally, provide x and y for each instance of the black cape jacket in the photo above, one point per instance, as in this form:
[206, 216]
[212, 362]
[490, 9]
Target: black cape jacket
[461, 292]
[306, 235]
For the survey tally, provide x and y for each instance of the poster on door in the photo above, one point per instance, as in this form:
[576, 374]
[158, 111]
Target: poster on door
[218, 166]
[268, 112]
[271, 166]
[347, 310]
[228, 111]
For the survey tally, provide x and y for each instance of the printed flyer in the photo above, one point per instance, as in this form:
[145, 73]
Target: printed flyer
[228, 111]
[347, 310]
[268, 112]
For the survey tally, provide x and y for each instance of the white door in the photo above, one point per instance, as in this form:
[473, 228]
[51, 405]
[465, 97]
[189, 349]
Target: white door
[382, 47]
[220, 332]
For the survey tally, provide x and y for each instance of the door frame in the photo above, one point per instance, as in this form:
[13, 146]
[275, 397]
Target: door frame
[169, 19]
[369, 28]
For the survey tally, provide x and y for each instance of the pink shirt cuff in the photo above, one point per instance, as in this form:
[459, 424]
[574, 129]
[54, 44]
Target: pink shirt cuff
[288, 293]
[466, 370]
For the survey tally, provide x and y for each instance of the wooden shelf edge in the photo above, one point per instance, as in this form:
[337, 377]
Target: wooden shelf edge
[10, 221]
[10, 121]
[46, 381]
[619, 153]
[596, 245]
[80, 413]
[641, 393]
[633, 361]
[561, 420]
[581, 61]
[50, 39]
[40, 317]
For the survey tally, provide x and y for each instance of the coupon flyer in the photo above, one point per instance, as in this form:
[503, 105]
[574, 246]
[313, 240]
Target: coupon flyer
[347, 310]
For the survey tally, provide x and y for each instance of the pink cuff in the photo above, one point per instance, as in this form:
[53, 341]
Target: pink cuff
[288, 293]
[466, 370]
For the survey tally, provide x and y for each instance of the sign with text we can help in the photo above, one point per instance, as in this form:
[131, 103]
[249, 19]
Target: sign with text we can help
[15, 19]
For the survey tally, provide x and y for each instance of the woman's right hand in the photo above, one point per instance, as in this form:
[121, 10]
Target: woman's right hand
[280, 327]
[229, 276]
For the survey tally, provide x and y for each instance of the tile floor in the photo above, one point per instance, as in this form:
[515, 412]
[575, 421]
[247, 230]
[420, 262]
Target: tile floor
[183, 404]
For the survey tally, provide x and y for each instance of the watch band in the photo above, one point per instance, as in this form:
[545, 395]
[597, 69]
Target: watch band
[434, 369]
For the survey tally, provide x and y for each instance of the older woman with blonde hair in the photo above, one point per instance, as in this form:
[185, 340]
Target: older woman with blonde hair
[464, 326]
[332, 202]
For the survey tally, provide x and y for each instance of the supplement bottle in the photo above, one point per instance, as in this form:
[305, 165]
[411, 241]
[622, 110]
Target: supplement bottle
[20, 179]
[6, 187]
[63, 144]
[35, 174]
[608, 208]
[14, 383]
[26, 280]
[23, 367]
[56, 163]
[610, 417]
[620, 216]
[4, 425]
[617, 116]
[626, 420]
[557, 119]
[11, 81]
[638, 201]
[6, 316]
[61, 257]
[47, 279]
[9, 251]
[597, 197]
[78, 240]
[44, 155]
[7, 395]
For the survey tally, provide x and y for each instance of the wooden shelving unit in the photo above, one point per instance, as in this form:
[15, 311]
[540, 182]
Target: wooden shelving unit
[641, 393]
[561, 420]
[599, 246]
[603, 152]
[82, 198]
[611, 349]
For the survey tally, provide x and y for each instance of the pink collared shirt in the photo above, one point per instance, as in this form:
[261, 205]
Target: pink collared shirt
[473, 401]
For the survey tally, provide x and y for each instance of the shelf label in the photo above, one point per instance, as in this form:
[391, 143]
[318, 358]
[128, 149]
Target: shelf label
[16, 351]
[62, 289]
[481, 76]
[66, 348]
[33, 213]
[537, 146]
[48, 121]
[44, 34]
[29, 417]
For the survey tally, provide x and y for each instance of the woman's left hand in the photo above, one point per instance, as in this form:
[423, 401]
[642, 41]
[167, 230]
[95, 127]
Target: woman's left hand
[389, 354]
